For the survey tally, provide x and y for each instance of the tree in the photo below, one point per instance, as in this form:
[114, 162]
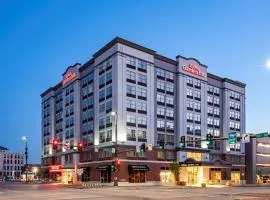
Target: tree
[175, 169]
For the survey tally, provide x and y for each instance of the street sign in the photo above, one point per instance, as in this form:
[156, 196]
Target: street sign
[232, 138]
[262, 135]
[245, 138]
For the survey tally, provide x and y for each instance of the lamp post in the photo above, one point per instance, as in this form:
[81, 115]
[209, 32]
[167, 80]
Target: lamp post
[113, 113]
[26, 157]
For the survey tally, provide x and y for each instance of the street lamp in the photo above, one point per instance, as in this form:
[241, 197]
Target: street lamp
[24, 138]
[35, 170]
[113, 113]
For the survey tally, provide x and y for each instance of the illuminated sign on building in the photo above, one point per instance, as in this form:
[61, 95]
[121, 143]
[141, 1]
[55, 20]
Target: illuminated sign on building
[193, 69]
[68, 77]
[55, 168]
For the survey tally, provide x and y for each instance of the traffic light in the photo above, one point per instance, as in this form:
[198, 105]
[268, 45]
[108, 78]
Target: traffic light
[162, 145]
[142, 148]
[113, 167]
[55, 144]
[182, 141]
[117, 164]
[209, 139]
[80, 147]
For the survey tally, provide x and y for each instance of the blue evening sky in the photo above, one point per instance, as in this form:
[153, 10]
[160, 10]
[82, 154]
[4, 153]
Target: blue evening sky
[39, 39]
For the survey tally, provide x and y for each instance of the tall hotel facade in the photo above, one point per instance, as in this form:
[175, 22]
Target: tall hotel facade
[156, 100]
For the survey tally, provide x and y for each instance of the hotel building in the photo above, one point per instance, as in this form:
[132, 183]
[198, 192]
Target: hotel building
[156, 100]
[11, 164]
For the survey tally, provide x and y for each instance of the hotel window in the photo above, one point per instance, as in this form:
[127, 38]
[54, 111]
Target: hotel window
[141, 92]
[142, 79]
[169, 87]
[141, 106]
[161, 85]
[109, 77]
[131, 104]
[141, 120]
[237, 106]
[161, 111]
[231, 114]
[209, 99]
[101, 95]
[169, 113]
[169, 75]
[231, 125]
[169, 100]
[141, 135]
[197, 118]
[189, 93]
[189, 81]
[210, 121]
[109, 136]
[131, 75]
[216, 133]
[170, 125]
[142, 65]
[190, 117]
[131, 119]
[101, 81]
[131, 90]
[109, 106]
[161, 137]
[189, 129]
[160, 124]
[189, 105]
[170, 139]
[216, 111]
[216, 101]
[160, 98]
[216, 122]
[102, 108]
[101, 137]
[197, 130]
[197, 106]
[131, 61]
[101, 123]
[216, 90]
[197, 95]
[197, 83]
[131, 134]
[237, 125]
[161, 73]
[209, 89]
[109, 121]
[237, 96]
[231, 103]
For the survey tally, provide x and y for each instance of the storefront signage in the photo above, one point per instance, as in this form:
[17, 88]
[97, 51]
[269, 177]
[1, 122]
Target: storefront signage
[55, 168]
[190, 164]
[193, 69]
[138, 167]
[261, 135]
[68, 77]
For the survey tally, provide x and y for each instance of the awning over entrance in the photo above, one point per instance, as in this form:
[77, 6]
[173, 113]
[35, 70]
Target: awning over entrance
[103, 168]
[138, 168]
[190, 162]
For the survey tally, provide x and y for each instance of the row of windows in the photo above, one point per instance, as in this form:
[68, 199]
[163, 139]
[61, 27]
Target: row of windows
[105, 136]
[234, 115]
[213, 89]
[192, 116]
[214, 132]
[87, 90]
[105, 93]
[135, 62]
[140, 120]
[88, 103]
[131, 77]
[69, 89]
[136, 135]
[211, 111]
[168, 139]
[191, 129]
[165, 74]
[88, 79]
[213, 121]
[196, 94]
[133, 105]
[105, 121]
[161, 112]
[105, 107]
[211, 100]
[193, 82]
[235, 125]
[161, 124]
[234, 105]
[234, 95]
[88, 140]
[15, 161]
[161, 86]
[141, 92]
[105, 79]
[193, 105]
[104, 65]
[11, 168]
[87, 128]
[161, 99]
[69, 99]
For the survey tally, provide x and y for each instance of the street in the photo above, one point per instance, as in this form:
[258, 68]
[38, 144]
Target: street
[53, 191]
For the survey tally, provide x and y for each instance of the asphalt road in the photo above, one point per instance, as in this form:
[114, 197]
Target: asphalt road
[59, 192]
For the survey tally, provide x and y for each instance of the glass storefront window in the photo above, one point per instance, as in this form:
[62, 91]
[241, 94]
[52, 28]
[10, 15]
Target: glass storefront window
[195, 156]
[137, 176]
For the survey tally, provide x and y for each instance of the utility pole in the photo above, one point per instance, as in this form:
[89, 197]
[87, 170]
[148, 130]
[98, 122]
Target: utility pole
[115, 183]
[26, 158]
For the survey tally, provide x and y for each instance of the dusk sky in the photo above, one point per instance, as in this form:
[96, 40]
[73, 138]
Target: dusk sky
[40, 39]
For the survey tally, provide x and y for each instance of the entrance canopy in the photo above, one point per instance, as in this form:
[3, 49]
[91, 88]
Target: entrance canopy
[103, 167]
[190, 162]
[138, 168]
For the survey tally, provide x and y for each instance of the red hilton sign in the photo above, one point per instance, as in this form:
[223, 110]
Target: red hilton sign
[68, 77]
[55, 168]
[193, 69]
